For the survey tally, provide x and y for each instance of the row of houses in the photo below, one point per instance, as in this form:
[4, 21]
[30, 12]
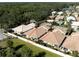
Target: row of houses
[72, 42]
[59, 15]
[42, 32]
[68, 15]
[54, 37]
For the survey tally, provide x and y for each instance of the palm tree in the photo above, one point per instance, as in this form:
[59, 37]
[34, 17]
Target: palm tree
[52, 24]
[37, 25]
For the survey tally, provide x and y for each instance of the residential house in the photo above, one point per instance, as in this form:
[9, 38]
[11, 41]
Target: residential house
[58, 17]
[23, 28]
[60, 13]
[68, 12]
[77, 18]
[36, 33]
[71, 18]
[50, 21]
[54, 37]
[46, 24]
[77, 9]
[72, 42]
[75, 14]
[63, 29]
[51, 17]
[53, 13]
[75, 25]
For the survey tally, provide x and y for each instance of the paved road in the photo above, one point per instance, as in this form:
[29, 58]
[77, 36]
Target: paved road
[38, 45]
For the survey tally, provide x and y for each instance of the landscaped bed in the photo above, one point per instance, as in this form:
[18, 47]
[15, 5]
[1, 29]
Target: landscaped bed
[35, 49]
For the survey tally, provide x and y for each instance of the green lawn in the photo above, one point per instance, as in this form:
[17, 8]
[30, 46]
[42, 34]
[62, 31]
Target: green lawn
[34, 48]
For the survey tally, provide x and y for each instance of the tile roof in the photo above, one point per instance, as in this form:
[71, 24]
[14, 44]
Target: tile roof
[59, 17]
[47, 25]
[75, 14]
[63, 29]
[72, 42]
[51, 17]
[23, 28]
[54, 37]
[36, 32]
[75, 23]
[77, 18]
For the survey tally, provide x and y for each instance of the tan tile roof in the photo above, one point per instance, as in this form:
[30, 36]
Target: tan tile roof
[36, 32]
[63, 29]
[51, 17]
[23, 28]
[54, 37]
[72, 42]
[77, 18]
[59, 17]
[47, 25]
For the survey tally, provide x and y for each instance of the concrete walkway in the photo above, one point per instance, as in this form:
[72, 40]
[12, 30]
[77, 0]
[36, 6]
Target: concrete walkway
[38, 45]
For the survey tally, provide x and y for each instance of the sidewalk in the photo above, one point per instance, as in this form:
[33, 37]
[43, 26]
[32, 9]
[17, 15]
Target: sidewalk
[43, 47]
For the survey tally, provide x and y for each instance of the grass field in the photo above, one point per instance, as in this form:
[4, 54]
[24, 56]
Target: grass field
[32, 47]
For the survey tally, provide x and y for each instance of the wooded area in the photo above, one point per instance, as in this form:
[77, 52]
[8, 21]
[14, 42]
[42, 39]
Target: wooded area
[14, 14]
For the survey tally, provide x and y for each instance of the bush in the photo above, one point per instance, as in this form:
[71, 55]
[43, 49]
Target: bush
[40, 54]
[75, 53]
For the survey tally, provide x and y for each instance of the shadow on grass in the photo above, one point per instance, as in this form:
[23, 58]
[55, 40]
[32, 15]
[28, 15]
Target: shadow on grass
[40, 54]
[18, 47]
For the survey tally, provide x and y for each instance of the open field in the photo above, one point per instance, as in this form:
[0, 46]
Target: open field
[34, 48]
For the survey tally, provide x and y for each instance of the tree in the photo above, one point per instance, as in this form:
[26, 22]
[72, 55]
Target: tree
[51, 26]
[75, 53]
[14, 14]
[9, 52]
[24, 52]
[9, 43]
[70, 29]
[37, 25]
[18, 51]
[40, 54]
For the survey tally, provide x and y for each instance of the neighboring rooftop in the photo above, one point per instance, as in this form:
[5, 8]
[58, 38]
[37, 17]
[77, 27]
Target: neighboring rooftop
[72, 42]
[69, 18]
[47, 25]
[54, 37]
[63, 29]
[59, 13]
[23, 28]
[36, 32]
[77, 18]
[59, 17]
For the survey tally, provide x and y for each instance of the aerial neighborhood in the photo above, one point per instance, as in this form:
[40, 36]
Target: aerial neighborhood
[60, 31]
